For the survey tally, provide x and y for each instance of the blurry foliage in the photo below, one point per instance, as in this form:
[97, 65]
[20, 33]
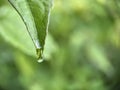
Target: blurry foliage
[81, 53]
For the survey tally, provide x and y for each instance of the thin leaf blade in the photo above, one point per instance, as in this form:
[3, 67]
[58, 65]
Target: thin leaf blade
[35, 14]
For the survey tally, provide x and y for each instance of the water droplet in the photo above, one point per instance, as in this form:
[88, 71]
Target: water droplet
[39, 55]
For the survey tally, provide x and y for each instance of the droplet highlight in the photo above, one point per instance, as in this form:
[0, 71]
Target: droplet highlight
[40, 60]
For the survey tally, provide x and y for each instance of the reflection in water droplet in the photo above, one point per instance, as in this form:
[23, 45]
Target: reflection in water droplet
[39, 55]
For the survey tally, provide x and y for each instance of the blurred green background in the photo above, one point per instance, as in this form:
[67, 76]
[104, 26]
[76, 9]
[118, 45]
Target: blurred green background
[82, 48]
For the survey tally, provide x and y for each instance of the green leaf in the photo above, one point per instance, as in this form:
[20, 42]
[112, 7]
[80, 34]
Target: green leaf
[12, 30]
[35, 14]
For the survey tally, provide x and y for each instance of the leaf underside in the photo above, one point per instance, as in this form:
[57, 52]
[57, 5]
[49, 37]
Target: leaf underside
[35, 14]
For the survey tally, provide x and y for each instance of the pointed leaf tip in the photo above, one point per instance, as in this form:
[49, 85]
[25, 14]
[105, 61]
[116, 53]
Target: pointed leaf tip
[35, 14]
